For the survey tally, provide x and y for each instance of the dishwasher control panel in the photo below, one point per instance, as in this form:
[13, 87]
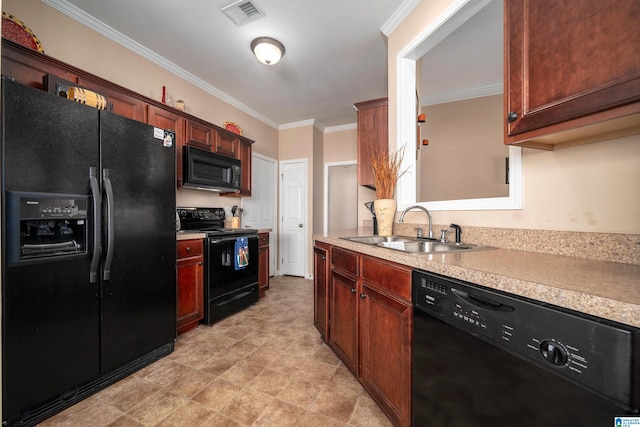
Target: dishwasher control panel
[595, 352]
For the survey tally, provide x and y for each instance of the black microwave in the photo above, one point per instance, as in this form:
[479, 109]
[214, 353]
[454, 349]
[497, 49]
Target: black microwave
[204, 170]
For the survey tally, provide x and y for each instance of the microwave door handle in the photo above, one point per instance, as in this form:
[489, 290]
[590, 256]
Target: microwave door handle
[97, 226]
[106, 269]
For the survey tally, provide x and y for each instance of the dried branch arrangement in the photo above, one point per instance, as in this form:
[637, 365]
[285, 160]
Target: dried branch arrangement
[386, 171]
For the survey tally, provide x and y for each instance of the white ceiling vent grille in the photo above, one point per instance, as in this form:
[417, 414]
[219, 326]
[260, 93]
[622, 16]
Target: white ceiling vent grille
[241, 12]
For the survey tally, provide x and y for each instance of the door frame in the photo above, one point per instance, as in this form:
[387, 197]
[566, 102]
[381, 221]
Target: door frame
[327, 166]
[305, 210]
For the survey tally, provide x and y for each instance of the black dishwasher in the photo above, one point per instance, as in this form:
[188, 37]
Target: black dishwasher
[485, 358]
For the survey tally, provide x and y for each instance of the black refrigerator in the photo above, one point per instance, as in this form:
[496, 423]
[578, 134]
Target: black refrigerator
[88, 250]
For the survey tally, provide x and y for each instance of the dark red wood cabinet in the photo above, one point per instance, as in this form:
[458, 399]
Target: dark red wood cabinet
[572, 71]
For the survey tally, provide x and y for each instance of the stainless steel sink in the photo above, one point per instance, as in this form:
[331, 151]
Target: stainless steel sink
[409, 245]
[425, 246]
[374, 240]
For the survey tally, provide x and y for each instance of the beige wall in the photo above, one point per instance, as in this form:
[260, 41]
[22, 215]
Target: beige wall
[69, 41]
[318, 183]
[591, 188]
[340, 146]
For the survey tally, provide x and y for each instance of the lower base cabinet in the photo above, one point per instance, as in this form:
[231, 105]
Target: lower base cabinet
[320, 288]
[263, 264]
[343, 320]
[190, 268]
[386, 320]
[369, 328]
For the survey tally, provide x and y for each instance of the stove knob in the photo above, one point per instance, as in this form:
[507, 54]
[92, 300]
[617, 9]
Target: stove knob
[553, 353]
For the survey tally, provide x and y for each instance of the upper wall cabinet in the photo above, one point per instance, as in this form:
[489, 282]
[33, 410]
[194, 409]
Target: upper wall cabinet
[572, 71]
[373, 136]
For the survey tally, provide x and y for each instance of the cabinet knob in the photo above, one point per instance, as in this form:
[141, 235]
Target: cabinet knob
[353, 290]
[324, 258]
[200, 263]
[512, 116]
[188, 248]
[363, 295]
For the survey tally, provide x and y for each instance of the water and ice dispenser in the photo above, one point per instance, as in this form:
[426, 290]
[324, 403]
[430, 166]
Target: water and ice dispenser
[45, 226]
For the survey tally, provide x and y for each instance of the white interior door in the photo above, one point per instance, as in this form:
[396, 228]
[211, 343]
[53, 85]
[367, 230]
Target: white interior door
[260, 210]
[293, 208]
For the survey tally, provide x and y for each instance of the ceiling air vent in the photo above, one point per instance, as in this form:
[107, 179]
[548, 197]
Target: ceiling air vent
[241, 12]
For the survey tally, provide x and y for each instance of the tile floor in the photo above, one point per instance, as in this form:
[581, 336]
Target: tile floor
[264, 366]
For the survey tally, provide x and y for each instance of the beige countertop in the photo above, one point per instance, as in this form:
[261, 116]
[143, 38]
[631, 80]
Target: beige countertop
[609, 290]
[188, 235]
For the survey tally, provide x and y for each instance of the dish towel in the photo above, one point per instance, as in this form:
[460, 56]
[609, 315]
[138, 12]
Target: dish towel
[242, 253]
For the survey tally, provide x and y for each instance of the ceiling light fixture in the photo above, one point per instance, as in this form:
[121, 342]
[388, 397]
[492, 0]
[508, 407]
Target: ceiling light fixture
[267, 50]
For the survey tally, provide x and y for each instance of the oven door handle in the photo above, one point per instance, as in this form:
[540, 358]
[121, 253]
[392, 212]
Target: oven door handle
[108, 189]
[231, 239]
[97, 225]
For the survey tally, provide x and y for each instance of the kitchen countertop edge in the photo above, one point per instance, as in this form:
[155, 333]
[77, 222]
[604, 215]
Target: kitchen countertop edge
[603, 289]
[186, 235]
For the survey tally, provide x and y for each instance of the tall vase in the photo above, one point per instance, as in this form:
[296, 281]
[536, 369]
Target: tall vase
[385, 210]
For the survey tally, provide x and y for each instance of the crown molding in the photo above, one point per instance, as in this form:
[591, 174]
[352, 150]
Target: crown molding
[398, 16]
[300, 124]
[350, 126]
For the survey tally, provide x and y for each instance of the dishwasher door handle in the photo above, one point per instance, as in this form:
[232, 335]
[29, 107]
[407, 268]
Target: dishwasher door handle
[481, 302]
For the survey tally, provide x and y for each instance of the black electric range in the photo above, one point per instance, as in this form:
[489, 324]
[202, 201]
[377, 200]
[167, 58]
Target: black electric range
[229, 287]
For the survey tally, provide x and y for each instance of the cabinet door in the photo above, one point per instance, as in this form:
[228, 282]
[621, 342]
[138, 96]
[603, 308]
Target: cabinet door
[199, 135]
[582, 62]
[190, 293]
[263, 264]
[373, 136]
[190, 270]
[320, 276]
[118, 102]
[343, 321]
[385, 352]
[244, 155]
[227, 144]
[166, 119]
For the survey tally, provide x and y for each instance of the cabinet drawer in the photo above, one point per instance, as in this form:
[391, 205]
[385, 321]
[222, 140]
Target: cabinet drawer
[345, 260]
[189, 248]
[263, 239]
[389, 276]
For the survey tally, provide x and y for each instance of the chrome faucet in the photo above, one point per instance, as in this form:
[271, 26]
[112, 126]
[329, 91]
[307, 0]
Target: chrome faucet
[422, 209]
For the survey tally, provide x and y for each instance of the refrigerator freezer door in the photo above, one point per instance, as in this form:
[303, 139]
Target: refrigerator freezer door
[50, 311]
[139, 298]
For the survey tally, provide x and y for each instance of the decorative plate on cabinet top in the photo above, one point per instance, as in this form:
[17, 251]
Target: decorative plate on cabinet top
[233, 127]
[13, 29]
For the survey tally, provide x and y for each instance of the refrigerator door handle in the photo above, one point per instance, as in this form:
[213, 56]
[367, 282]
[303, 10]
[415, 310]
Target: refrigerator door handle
[97, 225]
[110, 226]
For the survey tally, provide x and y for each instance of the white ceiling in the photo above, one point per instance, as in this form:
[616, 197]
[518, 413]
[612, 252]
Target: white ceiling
[335, 56]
